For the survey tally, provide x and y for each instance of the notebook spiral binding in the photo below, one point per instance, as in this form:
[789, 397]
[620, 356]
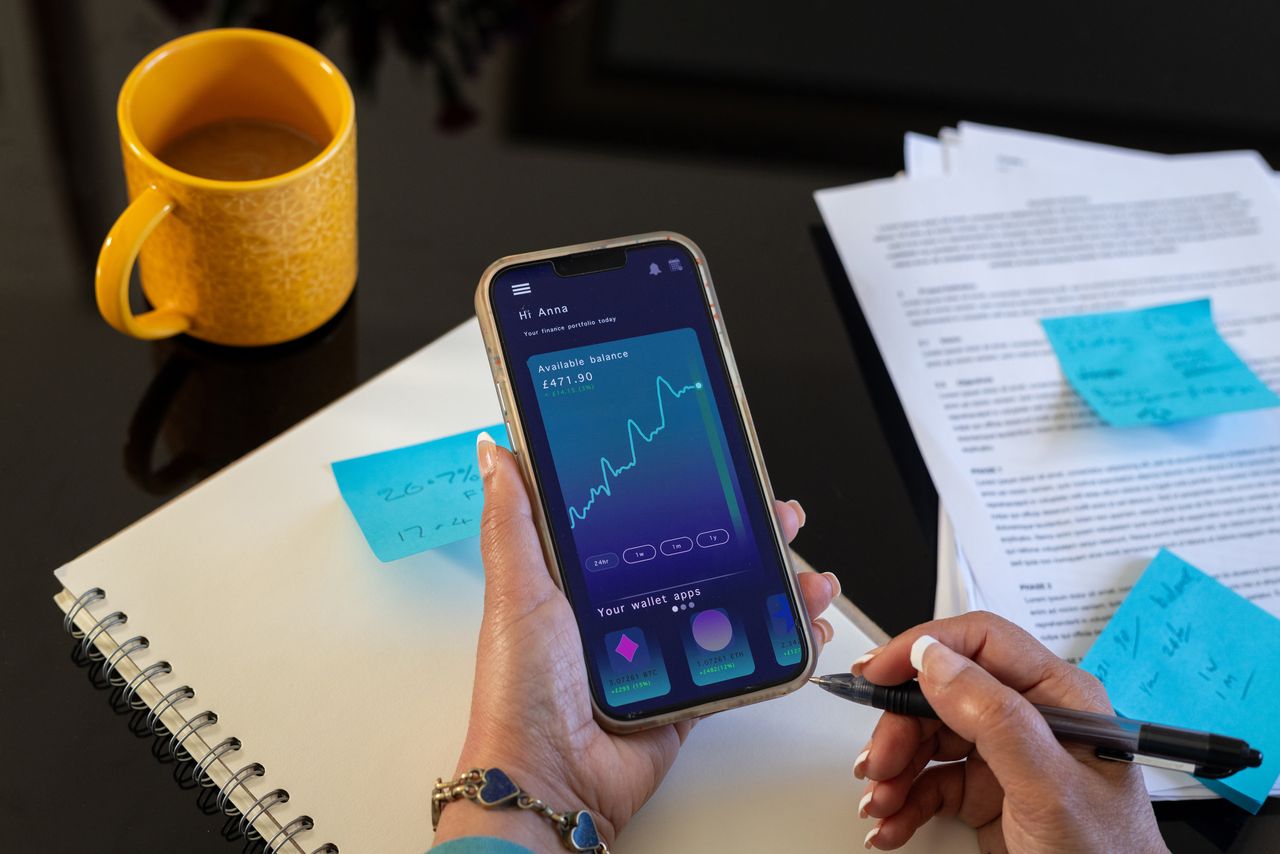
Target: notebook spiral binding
[177, 744]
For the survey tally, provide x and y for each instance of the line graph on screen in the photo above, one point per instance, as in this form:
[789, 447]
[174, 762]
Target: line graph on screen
[608, 471]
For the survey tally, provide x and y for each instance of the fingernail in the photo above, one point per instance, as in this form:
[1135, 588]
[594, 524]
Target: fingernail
[863, 660]
[917, 650]
[944, 663]
[486, 453]
[825, 629]
[834, 582]
[860, 764]
[871, 836]
[795, 505]
[866, 799]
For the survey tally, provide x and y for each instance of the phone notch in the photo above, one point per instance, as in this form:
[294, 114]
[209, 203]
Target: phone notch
[596, 261]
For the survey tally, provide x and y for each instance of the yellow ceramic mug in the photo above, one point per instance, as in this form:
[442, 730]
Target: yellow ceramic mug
[233, 262]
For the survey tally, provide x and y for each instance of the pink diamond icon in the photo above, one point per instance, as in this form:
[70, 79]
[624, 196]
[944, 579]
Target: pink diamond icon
[627, 648]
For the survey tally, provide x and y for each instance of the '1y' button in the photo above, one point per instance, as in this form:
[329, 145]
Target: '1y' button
[718, 537]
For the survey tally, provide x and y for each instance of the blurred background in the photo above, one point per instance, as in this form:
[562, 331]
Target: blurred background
[800, 85]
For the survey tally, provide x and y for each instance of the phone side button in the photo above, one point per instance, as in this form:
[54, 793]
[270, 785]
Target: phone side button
[502, 398]
[598, 563]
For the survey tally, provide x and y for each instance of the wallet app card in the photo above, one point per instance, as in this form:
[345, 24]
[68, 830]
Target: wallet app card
[631, 669]
[716, 647]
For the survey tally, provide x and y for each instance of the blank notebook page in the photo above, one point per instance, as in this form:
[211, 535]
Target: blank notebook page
[350, 679]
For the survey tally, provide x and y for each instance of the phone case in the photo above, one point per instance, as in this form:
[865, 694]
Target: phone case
[515, 430]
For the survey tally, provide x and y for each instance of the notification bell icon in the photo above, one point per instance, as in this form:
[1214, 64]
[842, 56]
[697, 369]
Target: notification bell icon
[654, 270]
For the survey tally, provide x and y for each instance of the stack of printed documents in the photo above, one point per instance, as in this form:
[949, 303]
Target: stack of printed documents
[1050, 513]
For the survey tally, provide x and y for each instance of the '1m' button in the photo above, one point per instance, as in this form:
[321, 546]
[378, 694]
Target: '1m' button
[678, 546]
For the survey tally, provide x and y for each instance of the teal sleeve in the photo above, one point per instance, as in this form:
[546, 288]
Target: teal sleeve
[480, 845]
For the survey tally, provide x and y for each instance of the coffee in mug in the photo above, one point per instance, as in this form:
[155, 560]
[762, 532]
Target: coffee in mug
[240, 159]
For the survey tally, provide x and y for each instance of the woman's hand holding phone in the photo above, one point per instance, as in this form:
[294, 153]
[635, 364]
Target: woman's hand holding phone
[531, 709]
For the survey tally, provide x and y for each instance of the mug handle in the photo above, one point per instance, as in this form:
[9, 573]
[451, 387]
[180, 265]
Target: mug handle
[115, 267]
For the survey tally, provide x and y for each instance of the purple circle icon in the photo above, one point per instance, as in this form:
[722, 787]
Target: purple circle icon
[711, 630]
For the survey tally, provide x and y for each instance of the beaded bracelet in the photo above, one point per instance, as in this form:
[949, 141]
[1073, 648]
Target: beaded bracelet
[491, 788]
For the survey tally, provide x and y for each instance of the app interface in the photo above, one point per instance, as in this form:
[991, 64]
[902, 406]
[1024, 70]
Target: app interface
[656, 509]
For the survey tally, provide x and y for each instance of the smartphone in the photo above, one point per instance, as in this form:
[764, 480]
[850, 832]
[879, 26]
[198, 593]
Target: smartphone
[625, 410]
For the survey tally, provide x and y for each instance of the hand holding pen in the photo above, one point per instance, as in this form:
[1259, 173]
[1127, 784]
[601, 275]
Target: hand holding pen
[1021, 788]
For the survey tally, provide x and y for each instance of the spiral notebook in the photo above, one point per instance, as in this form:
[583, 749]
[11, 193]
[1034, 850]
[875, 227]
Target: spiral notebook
[322, 692]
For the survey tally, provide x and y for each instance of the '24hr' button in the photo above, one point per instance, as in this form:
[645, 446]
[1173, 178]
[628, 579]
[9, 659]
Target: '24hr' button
[597, 563]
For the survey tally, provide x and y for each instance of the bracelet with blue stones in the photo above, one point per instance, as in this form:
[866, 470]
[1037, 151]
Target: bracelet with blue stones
[491, 788]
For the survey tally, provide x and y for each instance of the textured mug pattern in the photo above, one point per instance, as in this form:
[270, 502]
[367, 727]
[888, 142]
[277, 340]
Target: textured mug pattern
[254, 266]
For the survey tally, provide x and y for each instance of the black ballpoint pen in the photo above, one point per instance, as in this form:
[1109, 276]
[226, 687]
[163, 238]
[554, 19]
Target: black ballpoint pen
[1201, 753]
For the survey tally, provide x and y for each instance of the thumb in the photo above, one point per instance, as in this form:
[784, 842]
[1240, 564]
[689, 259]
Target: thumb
[1005, 728]
[515, 573]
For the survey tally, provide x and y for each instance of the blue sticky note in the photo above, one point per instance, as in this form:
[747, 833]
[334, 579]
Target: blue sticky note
[1154, 365]
[1187, 651]
[412, 499]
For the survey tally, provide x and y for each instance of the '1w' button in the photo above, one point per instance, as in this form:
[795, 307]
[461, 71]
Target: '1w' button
[639, 554]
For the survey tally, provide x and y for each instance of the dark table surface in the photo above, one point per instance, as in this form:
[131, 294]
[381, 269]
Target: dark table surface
[100, 430]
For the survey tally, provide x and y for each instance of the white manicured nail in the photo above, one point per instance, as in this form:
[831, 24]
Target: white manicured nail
[834, 582]
[917, 650]
[827, 630]
[486, 453]
[863, 660]
[866, 800]
[871, 836]
[859, 764]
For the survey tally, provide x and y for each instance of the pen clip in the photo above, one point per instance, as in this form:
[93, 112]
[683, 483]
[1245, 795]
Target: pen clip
[1211, 772]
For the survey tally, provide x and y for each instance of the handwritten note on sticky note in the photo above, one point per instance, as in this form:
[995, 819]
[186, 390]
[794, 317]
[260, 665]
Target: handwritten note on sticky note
[412, 499]
[1154, 365]
[1186, 651]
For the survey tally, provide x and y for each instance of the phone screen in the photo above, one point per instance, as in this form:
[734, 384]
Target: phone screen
[657, 515]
